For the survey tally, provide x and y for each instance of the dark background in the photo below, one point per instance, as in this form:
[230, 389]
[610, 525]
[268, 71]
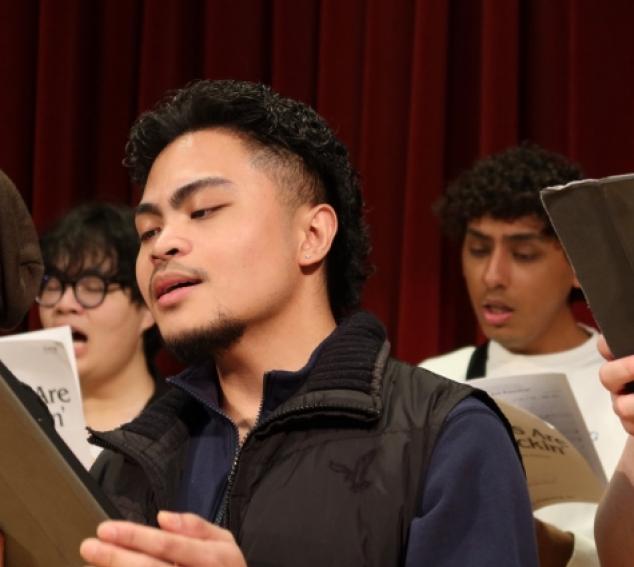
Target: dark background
[416, 89]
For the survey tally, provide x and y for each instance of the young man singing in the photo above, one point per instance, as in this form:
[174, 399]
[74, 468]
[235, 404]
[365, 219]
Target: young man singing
[293, 438]
[521, 287]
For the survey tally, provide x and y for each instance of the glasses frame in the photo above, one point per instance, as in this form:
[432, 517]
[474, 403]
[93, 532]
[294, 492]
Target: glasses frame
[65, 281]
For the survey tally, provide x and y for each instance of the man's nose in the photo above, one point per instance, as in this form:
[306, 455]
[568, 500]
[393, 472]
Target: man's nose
[68, 302]
[168, 244]
[497, 270]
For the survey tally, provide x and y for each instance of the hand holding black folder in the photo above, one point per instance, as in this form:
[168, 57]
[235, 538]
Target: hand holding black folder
[48, 501]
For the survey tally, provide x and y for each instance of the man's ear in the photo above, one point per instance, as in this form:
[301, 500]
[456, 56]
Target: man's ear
[319, 227]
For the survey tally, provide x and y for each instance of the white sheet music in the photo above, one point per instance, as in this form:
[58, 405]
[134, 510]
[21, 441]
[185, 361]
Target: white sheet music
[45, 361]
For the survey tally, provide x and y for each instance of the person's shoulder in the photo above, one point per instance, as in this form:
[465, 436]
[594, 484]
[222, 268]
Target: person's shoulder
[451, 365]
[416, 389]
[475, 430]
[473, 407]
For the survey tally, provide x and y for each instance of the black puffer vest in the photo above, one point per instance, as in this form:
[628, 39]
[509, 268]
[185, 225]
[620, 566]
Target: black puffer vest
[333, 477]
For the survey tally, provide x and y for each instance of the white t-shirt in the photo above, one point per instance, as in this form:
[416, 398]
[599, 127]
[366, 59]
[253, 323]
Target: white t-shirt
[581, 365]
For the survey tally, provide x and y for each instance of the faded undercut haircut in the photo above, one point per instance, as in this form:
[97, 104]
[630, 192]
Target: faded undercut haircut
[291, 141]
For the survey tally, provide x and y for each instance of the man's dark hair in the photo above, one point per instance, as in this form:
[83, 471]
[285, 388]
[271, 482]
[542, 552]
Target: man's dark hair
[289, 134]
[504, 186]
[102, 237]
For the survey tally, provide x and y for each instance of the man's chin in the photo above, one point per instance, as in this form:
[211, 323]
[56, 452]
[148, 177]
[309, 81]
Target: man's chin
[198, 345]
[508, 340]
[499, 334]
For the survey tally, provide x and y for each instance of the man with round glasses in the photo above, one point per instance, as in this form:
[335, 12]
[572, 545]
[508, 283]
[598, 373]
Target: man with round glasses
[89, 284]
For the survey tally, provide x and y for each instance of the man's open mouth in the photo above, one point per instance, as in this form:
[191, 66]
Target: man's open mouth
[169, 285]
[496, 313]
[79, 336]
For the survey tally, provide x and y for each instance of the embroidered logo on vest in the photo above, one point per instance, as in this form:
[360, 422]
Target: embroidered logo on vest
[355, 477]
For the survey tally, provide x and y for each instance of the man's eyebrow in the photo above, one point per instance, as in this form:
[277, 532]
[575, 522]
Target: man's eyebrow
[526, 237]
[181, 194]
[517, 237]
[147, 209]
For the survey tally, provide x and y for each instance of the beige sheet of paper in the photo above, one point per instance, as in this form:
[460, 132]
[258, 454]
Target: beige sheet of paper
[560, 467]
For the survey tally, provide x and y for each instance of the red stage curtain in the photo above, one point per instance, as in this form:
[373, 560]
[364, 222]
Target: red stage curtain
[417, 89]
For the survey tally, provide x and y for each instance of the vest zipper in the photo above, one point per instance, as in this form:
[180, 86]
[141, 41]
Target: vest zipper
[220, 516]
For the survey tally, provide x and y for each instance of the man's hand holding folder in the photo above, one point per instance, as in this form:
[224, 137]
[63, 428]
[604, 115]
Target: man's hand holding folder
[183, 539]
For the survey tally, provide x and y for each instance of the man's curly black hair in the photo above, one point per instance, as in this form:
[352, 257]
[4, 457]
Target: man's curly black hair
[504, 186]
[289, 133]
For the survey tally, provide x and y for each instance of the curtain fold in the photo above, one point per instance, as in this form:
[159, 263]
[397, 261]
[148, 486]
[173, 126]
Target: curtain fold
[419, 319]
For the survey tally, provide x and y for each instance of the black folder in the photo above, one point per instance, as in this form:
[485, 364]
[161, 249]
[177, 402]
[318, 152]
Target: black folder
[594, 220]
[48, 501]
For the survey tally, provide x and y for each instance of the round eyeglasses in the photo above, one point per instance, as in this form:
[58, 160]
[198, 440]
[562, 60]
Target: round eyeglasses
[89, 289]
